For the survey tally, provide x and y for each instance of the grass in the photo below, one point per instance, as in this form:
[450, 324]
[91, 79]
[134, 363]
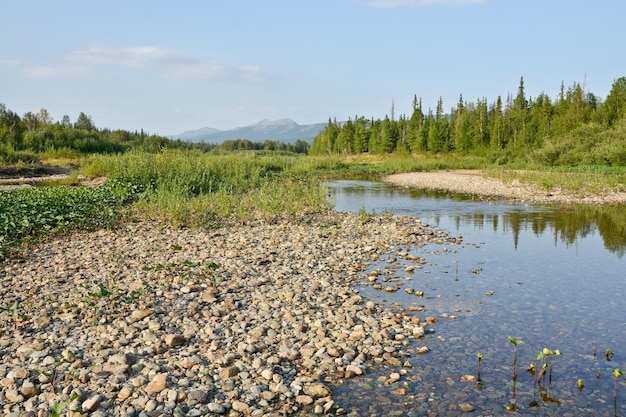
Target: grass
[195, 189]
[577, 180]
[190, 188]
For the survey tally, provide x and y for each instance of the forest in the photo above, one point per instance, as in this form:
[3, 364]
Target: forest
[34, 136]
[576, 128]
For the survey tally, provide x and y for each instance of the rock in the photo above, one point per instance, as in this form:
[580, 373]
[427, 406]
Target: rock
[229, 372]
[267, 374]
[20, 373]
[124, 393]
[197, 396]
[138, 381]
[141, 314]
[353, 370]
[423, 349]
[173, 340]
[91, 403]
[216, 408]
[304, 399]
[317, 390]
[13, 396]
[467, 407]
[158, 384]
[241, 407]
[28, 389]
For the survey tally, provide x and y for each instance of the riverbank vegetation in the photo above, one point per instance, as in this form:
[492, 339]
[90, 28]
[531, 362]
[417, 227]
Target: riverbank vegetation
[576, 143]
[577, 128]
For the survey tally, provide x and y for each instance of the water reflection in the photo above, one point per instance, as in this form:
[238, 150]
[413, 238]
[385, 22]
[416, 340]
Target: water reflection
[553, 277]
[568, 224]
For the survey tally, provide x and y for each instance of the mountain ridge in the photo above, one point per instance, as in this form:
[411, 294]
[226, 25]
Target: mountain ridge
[280, 130]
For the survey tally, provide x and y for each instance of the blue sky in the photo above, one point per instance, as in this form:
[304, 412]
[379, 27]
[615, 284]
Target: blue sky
[169, 66]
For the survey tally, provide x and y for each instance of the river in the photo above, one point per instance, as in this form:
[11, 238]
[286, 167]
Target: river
[552, 277]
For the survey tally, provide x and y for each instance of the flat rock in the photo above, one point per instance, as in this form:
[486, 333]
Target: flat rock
[173, 340]
[317, 390]
[158, 384]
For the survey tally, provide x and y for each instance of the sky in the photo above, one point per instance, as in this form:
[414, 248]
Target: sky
[169, 66]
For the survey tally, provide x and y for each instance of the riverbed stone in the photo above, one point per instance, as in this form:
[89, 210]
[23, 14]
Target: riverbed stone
[91, 403]
[317, 390]
[250, 318]
[158, 384]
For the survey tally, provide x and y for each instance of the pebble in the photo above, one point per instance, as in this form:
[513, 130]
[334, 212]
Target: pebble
[91, 403]
[248, 319]
[175, 340]
[158, 384]
[466, 407]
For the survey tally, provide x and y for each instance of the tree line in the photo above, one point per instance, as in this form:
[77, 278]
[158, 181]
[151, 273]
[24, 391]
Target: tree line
[518, 123]
[22, 138]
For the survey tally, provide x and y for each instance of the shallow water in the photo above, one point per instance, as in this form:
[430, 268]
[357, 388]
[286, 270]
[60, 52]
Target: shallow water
[558, 277]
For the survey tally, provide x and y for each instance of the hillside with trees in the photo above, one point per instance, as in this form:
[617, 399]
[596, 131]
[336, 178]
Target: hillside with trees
[576, 128]
[28, 138]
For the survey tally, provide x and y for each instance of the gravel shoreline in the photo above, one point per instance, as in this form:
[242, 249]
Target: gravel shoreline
[471, 182]
[258, 319]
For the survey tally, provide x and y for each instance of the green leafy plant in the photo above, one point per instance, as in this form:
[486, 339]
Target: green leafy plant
[97, 291]
[364, 216]
[480, 357]
[12, 308]
[58, 408]
[617, 373]
[552, 354]
[515, 342]
[580, 384]
[51, 373]
[543, 365]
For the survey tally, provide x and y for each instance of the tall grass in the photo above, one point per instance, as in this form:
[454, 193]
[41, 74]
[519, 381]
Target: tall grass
[192, 188]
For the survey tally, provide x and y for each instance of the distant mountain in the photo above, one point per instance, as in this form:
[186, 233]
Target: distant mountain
[282, 130]
[190, 135]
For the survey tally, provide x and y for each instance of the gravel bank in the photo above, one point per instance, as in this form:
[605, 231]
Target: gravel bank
[472, 182]
[259, 319]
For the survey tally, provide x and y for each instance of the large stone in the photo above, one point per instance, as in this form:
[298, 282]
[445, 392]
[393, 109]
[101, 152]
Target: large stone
[91, 403]
[317, 390]
[13, 396]
[228, 372]
[241, 407]
[197, 396]
[304, 399]
[141, 314]
[158, 384]
[173, 340]
[216, 408]
[467, 407]
[29, 389]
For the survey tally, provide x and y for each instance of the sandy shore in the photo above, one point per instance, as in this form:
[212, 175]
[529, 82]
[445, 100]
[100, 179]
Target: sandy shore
[473, 182]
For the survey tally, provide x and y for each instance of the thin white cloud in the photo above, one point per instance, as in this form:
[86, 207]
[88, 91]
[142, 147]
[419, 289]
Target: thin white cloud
[9, 62]
[214, 71]
[166, 63]
[56, 72]
[405, 3]
[135, 57]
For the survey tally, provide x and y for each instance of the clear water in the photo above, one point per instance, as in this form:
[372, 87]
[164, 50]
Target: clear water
[558, 277]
